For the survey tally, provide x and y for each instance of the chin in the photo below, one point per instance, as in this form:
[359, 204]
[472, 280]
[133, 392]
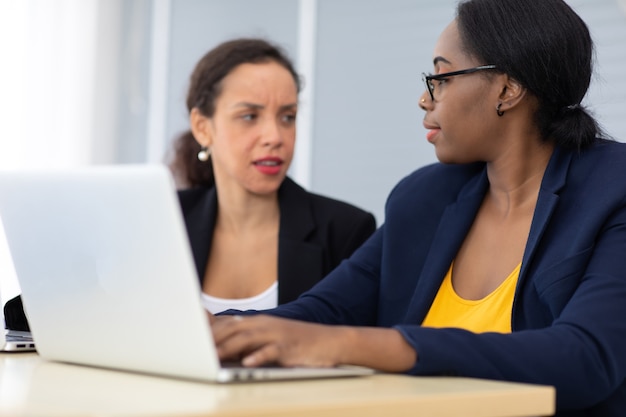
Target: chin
[453, 157]
[266, 188]
[445, 158]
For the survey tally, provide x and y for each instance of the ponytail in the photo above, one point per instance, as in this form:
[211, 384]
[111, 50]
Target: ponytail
[571, 127]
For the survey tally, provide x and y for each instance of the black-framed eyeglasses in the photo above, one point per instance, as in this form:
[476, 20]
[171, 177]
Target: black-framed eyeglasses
[428, 79]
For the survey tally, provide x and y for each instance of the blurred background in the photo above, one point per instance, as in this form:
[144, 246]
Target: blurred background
[104, 82]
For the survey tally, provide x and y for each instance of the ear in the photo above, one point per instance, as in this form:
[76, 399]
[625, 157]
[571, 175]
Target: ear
[201, 127]
[512, 94]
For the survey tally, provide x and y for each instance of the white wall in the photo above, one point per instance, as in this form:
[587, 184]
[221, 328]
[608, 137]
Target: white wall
[365, 131]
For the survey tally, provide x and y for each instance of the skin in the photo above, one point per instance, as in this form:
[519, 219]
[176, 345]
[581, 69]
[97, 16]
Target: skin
[263, 339]
[463, 127]
[254, 121]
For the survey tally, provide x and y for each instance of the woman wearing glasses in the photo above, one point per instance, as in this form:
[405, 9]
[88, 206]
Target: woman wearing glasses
[507, 259]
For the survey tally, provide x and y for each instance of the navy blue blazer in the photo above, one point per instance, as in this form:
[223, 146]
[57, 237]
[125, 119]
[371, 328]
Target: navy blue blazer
[569, 311]
[315, 234]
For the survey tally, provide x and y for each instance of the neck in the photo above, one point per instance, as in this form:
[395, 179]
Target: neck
[243, 212]
[515, 178]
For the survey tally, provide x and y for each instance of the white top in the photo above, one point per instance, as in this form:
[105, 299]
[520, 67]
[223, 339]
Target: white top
[267, 299]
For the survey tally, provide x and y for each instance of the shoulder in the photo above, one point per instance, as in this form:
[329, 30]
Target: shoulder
[317, 201]
[323, 208]
[601, 163]
[603, 150]
[437, 182]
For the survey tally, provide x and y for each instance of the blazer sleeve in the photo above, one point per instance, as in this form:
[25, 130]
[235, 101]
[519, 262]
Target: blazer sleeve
[573, 335]
[346, 295]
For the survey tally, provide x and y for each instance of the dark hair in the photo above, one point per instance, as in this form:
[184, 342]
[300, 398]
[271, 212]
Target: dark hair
[547, 48]
[204, 88]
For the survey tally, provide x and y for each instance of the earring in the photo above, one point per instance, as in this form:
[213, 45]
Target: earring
[204, 153]
[498, 111]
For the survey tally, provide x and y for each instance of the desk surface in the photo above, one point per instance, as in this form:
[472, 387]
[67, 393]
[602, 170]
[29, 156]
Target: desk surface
[31, 386]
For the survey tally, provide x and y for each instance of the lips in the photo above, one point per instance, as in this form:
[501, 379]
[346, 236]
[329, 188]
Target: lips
[430, 135]
[269, 165]
[433, 130]
[268, 162]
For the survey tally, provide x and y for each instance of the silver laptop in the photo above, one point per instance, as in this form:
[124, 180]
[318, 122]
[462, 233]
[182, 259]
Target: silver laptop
[16, 341]
[13, 340]
[107, 276]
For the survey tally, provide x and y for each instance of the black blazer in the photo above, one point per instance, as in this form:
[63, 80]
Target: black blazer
[316, 234]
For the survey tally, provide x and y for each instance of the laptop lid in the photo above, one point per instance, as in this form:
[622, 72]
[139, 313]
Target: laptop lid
[103, 262]
[106, 272]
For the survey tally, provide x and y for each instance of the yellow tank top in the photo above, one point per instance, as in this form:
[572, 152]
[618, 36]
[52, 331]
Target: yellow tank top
[490, 314]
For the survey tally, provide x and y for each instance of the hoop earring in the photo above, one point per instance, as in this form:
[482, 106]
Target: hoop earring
[204, 154]
[498, 111]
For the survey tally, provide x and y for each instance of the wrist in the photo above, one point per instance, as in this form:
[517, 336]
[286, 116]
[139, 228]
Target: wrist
[381, 349]
[347, 345]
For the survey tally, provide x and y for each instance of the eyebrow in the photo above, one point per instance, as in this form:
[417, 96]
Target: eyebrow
[260, 107]
[439, 59]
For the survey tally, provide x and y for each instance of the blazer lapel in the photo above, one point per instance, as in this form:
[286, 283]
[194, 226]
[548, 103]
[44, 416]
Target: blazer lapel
[553, 180]
[458, 218]
[299, 262]
[200, 221]
[454, 225]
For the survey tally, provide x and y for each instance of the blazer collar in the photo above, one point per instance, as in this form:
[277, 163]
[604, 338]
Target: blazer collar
[454, 225]
[459, 216]
[296, 217]
[200, 226]
[554, 179]
[300, 259]
[299, 262]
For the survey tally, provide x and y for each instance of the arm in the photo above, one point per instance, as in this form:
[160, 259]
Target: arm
[345, 299]
[348, 295]
[263, 339]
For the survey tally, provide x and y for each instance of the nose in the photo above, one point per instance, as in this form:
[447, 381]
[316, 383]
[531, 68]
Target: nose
[424, 100]
[272, 134]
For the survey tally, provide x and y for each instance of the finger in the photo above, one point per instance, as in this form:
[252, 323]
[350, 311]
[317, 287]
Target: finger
[213, 319]
[268, 353]
[245, 336]
[225, 327]
[210, 317]
[237, 344]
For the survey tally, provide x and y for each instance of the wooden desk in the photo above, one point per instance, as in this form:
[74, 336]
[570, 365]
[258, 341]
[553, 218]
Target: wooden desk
[30, 386]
